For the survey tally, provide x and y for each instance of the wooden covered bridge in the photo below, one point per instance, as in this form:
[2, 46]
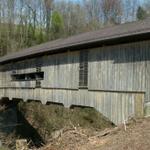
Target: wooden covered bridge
[107, 69]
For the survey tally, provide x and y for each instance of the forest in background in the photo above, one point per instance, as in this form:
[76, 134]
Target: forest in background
[24, 23]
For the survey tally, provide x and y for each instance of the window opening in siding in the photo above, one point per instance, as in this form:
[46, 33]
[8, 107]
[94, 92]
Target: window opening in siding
[28, 76]
[83, 69]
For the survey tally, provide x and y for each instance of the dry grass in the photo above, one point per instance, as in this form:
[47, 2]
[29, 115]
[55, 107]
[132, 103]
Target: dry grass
[49, 118]
[81, 129]
[136, 137]
[3, 148]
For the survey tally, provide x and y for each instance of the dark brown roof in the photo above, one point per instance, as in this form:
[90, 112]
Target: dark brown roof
[105, 34]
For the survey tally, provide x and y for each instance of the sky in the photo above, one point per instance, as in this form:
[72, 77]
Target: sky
[141, 1]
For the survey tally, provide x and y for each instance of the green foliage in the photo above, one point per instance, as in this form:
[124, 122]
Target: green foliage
[141, 13]
[26, 23]
[57, 25]
[40, 36]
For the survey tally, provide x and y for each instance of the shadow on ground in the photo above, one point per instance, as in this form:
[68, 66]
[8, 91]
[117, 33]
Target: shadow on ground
[18, 124]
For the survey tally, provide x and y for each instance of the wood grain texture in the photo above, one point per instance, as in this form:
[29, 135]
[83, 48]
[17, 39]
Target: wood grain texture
[120, 68]
[115, 106]
[118, 80]
[61, 70]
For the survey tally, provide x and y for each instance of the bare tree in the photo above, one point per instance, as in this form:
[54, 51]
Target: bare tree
[112, 11]
[147, 7]
[94, 14]
[24, 23]
[129, 10]
[48, 11]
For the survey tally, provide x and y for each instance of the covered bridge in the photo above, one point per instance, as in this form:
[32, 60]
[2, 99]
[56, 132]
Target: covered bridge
[107, 69]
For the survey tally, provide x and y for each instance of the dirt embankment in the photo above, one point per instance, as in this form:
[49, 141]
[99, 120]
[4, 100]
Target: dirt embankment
[40, 124]
[136, 137]
[54, 127]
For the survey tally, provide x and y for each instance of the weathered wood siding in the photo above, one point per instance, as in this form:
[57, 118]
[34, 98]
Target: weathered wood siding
[118, 68]
[121, 68]
[115, 106]
[61, 70]
[26, 66]
[118, 80]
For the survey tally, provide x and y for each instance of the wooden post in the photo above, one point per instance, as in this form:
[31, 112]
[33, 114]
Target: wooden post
[139, 106]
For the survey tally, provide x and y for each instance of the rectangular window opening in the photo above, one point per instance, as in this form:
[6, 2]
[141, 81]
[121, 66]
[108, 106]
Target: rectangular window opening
[28, 76]
[83, 69]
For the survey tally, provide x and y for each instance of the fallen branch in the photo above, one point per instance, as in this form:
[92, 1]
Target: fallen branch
[76, 132]
[105, 133]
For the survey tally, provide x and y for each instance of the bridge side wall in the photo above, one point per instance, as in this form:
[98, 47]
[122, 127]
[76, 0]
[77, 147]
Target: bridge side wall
[118, 80]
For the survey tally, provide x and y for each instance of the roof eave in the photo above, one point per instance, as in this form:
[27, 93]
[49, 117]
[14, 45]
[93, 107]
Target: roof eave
[112, 40]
